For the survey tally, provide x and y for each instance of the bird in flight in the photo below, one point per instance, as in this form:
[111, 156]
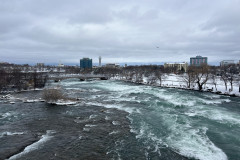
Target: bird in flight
[156, 46]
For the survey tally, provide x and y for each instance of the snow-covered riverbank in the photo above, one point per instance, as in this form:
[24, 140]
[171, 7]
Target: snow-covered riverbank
[176, 81]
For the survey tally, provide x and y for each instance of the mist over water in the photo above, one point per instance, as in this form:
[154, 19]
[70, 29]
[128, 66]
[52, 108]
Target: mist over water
[119, 120]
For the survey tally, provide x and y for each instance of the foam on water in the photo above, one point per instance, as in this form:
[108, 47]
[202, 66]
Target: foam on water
[194, 143]
[107, 118]
[86, 129]
[117, 106]
[77, 120]
[190, 141]
[70, 83]
[151, 141]
[34, 146]
[77, 89]
[108, 111]
[65, 103]
[183, 139]
[92, 116]
[10, 133]
[115, 123]
[214, 101]
[113, 132]
[90, 125]
[173, 98]
[161, 124]
[113, 86]
[94, 90]
[216, 114]
[8, 115]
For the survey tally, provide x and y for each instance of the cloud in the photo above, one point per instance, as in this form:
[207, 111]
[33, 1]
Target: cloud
[120, 31]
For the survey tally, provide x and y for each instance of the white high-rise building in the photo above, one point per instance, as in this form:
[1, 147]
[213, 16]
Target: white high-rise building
[100, 61]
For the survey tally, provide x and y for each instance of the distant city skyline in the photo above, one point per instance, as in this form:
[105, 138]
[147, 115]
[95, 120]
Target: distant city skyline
[124, 31]
[96, 63]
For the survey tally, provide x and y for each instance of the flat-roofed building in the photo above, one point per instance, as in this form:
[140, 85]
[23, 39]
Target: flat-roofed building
[177, 66]
[112, 65]
[226, 62]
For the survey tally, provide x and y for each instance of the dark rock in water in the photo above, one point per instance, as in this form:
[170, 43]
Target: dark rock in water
[104, 78]
[57, 80]
[233, 95]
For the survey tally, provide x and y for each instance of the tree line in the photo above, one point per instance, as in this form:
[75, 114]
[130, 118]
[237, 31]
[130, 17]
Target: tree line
[194, 76]
[15, 79]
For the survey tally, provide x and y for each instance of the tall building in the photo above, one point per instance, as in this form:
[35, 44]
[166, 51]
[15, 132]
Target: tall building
[226, 62]
[100, 61]
[85, 63]
[198, 60]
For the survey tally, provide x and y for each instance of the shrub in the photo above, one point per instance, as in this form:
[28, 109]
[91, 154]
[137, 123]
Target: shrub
[52, 94]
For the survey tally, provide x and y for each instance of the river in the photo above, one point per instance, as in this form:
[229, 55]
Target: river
[120, 120]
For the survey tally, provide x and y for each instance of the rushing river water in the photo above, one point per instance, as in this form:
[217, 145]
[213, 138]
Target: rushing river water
[119, 120]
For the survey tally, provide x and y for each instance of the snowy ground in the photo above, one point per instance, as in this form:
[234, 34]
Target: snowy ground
[173, 80]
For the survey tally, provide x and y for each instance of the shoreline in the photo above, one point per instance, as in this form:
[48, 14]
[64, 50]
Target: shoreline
[139, 83]
[218, 93]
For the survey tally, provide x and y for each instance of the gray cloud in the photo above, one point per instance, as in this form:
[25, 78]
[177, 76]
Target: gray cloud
[34, 31]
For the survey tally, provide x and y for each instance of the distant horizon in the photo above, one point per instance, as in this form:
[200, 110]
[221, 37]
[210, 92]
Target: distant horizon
[121, 63]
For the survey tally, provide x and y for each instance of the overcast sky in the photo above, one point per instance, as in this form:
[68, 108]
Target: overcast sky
[53, 31]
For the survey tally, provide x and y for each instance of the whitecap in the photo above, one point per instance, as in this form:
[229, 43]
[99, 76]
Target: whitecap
[65, 103]
[107, 118]
[10, 133]
[113, 132]
[86, 129]
[215, 101]
[90, 125]
[193, 143]
[8, 114]
[115, 123]
[34, 146]
[92, 116]
[117, 106]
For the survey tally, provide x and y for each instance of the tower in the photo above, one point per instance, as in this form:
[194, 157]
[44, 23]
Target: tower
[100, 61]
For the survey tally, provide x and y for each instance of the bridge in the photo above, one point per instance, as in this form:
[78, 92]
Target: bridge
[81, 77]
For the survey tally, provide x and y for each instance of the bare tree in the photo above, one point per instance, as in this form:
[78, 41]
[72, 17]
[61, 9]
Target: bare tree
[224, 76]
[3, 81]
[232, 75]
[214, 79]
[17, 80]
[189, 76]
[238, 82]
[213, 76]
[160, 76]
[201, 75]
